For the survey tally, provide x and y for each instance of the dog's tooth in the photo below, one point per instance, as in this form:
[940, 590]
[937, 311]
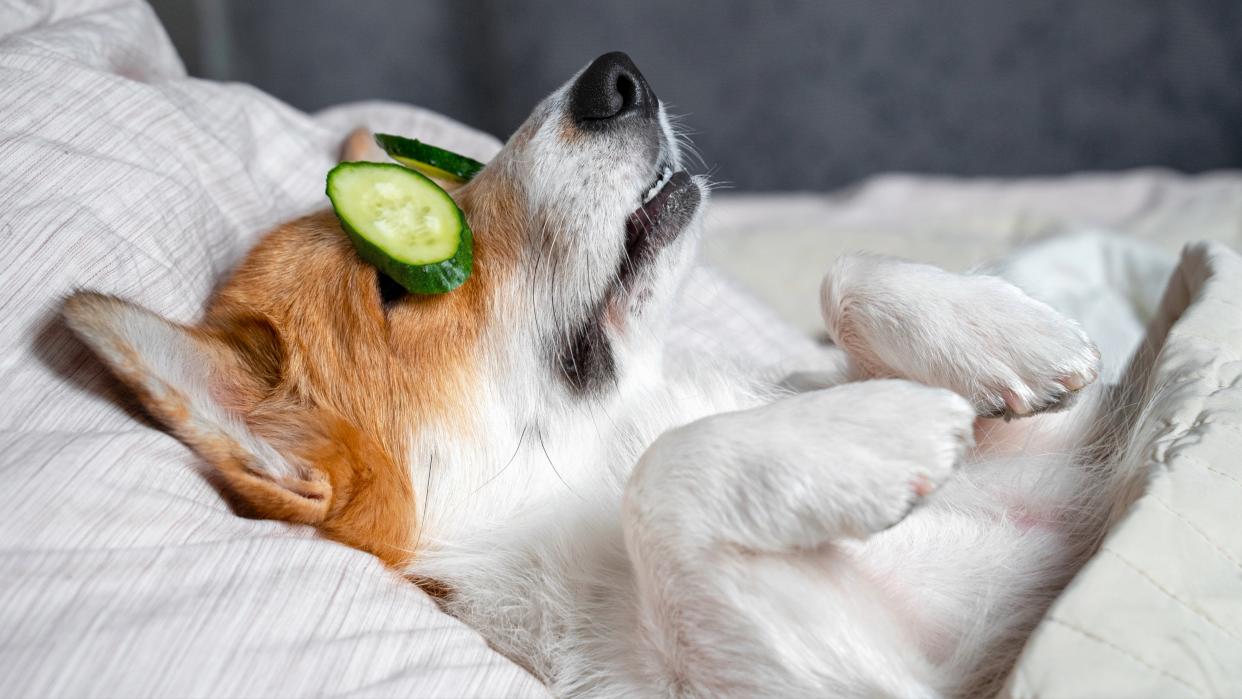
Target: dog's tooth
[665, 175]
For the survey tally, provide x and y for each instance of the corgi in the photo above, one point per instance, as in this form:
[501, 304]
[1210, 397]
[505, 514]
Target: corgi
[890, 522]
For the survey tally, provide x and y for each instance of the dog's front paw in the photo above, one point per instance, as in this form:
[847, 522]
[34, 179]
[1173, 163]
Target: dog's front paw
[842, 463]
[1030, 358]
[892, 444]
[980, 336]
[935, 434]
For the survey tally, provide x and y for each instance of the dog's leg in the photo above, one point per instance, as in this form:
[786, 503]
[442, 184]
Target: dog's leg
[708, 502]
[976, 335]
[1030, 506]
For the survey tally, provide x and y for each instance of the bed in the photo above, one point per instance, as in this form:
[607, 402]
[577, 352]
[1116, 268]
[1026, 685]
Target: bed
[125, 574]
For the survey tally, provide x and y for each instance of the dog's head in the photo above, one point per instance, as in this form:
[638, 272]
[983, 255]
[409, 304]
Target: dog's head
[313, 390]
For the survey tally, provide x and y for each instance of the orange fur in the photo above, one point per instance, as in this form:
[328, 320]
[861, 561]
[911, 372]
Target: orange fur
[353, 379]
[300, 346]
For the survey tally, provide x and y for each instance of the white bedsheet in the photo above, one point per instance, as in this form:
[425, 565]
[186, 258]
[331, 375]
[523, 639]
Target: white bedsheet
[778, 244]
[122, 573]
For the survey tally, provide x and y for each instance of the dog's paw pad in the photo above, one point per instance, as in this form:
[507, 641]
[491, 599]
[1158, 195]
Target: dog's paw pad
[1080, 379]
[922, 486]
[1015, 404]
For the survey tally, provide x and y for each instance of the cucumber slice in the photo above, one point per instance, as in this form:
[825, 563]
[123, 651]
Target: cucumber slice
[404, 224]
[429, 160]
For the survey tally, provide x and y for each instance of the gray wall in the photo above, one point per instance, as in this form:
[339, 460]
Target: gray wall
[783, 95]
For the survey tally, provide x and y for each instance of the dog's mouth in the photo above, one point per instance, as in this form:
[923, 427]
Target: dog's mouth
[665, 210]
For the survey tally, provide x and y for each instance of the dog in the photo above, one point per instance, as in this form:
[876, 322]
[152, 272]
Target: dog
[890, 522]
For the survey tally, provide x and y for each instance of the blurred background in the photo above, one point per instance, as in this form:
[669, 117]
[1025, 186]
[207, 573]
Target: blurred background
[782, 95]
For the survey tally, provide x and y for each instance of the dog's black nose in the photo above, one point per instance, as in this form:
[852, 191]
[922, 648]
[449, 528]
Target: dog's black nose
[610, 89]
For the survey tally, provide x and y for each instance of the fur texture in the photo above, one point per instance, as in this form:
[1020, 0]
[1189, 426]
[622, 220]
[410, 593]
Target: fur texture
[519, 447]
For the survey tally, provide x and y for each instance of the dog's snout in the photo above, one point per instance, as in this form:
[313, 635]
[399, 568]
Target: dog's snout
[610, 90]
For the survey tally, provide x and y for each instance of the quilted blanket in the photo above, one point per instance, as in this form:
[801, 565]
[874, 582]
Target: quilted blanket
[1158, 611]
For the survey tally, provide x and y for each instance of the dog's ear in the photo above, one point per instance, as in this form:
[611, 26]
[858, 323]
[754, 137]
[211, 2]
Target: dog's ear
[360, 146]
[202, 384]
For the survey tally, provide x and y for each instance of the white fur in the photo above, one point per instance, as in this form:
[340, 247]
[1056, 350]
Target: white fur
[750, 552]
[700, 533]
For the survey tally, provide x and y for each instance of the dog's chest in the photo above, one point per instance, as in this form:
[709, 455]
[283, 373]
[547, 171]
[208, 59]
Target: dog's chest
[533, 550]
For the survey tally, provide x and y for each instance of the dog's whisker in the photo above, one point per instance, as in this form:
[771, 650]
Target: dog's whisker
[516, 450]
[555, 470]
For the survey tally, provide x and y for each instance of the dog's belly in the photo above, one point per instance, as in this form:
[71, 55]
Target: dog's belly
[822, 622]
[970, 574]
